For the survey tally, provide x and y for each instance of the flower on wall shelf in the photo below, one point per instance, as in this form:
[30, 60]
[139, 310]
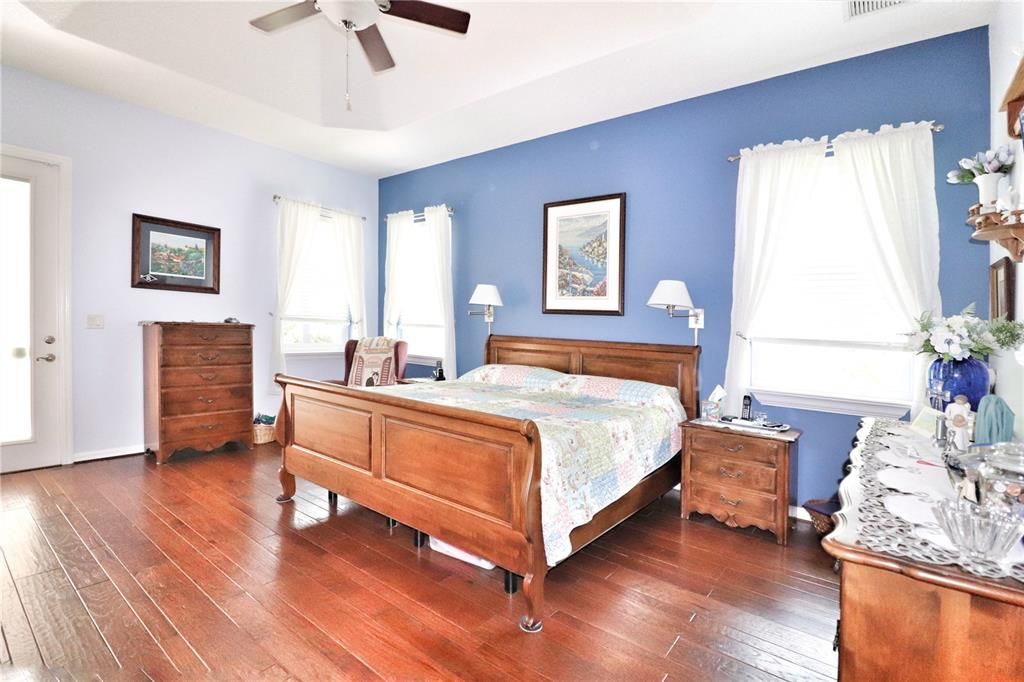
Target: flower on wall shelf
[983, 163]
[959, 337]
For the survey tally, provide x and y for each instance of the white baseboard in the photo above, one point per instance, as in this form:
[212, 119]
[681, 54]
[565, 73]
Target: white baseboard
[109, 452]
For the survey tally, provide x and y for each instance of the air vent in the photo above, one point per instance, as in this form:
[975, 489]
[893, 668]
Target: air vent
[859, 8]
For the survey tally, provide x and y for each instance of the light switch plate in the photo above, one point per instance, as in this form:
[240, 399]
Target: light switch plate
[696, 318]
[94, 321]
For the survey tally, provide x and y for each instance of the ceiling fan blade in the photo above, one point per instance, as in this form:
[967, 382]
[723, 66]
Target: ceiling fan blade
[431, 14]
[375, 48]
[286, 16]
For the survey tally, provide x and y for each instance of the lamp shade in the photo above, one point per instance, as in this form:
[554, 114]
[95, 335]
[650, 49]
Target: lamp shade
[670, 292]
[485, 294]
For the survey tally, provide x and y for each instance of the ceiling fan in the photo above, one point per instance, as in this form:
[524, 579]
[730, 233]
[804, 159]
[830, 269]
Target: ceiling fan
[361, 16]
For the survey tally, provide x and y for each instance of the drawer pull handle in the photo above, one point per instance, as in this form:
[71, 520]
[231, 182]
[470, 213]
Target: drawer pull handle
[731, 503]
[735, 448]
[730, 474]
[208, 401]
[207, 337]
[208, 377]
[209, 427]
[208, 358]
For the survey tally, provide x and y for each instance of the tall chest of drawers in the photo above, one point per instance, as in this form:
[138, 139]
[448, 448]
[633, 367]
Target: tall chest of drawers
[198, 386]
[740, 478]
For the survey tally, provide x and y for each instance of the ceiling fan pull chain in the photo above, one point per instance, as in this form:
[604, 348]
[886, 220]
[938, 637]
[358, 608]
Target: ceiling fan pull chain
[348, 41]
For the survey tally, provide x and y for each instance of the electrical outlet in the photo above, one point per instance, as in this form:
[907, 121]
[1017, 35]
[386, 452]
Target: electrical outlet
[94, 321]
[697, 318]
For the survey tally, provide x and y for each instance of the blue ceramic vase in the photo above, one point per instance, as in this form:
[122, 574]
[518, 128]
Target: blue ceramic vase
[961, 377]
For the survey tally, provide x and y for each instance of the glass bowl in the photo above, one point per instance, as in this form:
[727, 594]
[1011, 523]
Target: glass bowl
[977, 531]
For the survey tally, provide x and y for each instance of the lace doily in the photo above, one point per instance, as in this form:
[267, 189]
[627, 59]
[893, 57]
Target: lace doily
[880, 530]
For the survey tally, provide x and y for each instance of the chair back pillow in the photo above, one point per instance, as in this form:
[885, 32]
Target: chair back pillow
[373, 363]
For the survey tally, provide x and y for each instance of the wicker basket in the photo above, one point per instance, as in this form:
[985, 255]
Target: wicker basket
[821, 511]
[262, 433]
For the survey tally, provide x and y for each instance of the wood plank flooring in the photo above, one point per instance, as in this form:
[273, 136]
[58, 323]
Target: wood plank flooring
[120, 569]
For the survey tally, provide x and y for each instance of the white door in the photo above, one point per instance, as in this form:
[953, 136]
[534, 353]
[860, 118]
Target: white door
[33, 413]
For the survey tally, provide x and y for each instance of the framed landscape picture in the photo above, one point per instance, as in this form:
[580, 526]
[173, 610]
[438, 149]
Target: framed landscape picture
[584, 255]
[170, 254]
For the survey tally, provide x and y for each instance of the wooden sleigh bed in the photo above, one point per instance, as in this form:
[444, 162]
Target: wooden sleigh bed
[468, 478]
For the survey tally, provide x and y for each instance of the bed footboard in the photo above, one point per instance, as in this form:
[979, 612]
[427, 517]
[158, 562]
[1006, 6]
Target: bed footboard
[467, 478]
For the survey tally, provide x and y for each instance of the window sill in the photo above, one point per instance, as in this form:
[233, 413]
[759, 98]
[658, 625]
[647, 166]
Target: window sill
[303, 354]
[858, 407]
[423, 360]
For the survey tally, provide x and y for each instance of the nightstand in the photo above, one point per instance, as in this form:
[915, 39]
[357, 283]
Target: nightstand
[740, 477]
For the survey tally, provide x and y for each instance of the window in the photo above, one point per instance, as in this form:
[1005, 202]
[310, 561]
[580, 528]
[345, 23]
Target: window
[418, 305]
[828, 324]
[836, 257]
[323, 304]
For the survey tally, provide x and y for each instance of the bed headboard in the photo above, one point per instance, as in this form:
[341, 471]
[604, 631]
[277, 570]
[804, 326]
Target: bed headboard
[663, 364]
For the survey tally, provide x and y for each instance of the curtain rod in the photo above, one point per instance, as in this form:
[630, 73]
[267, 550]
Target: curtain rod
[278, 197]
[936, 128]
[422, 216]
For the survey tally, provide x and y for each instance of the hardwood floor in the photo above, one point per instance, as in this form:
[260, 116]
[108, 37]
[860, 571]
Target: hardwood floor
[122, 569]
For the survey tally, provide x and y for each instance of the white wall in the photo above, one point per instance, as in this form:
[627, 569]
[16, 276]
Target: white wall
[1006, 45]
[127, 159]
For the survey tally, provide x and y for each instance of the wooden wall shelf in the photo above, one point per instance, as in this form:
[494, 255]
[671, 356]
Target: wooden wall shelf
[1007, 228]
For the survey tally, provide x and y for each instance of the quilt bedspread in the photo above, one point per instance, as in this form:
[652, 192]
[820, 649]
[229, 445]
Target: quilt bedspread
[599, 436]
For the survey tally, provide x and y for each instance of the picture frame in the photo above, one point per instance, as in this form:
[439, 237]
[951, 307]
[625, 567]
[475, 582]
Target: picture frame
[584, 256]
[175, 255]
[1002, 289]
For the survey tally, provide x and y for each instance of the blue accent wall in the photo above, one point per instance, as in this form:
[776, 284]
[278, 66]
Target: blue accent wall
[680, 204]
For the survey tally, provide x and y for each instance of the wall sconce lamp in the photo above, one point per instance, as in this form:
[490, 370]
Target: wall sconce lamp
[488, 296]
[672, 295]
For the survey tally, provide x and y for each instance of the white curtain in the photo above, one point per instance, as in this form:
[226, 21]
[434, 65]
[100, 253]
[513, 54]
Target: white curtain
[438, 224]
[775, 183]
[349, 231]
[418, 283]
[892, 177]
[295, 219]
[400, 226]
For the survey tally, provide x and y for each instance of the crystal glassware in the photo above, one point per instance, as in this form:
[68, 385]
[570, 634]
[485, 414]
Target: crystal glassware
[979, 532]
[1001, 477]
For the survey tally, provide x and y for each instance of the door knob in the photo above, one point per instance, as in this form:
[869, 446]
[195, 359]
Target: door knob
[49, 339]
[49, 357]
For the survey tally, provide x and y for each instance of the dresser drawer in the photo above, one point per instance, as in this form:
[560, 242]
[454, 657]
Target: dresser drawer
[205, 426]
[193, 335]
[726, 471]
[196, 356]
[200, 400]
[174, 377]
[734, 446]
[742, 507]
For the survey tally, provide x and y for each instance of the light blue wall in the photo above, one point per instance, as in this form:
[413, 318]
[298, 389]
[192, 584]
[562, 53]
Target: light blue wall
[128, 159]
[681, 197]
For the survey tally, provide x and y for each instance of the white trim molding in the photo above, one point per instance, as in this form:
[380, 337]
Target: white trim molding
[857, 407]
[62, 275]
[107, 453]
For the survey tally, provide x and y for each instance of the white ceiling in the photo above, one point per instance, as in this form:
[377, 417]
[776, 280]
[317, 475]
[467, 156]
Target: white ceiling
[525, 69]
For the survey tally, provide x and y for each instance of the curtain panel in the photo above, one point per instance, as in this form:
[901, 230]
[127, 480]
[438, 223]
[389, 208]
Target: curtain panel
[775, 183]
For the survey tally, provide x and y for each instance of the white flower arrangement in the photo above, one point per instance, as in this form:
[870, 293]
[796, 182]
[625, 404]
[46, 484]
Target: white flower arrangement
[983, 163]
[959, 337]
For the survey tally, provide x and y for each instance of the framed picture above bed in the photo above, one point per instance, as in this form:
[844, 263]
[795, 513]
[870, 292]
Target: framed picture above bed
[170, 254]
[1001, 289]
[585, 255]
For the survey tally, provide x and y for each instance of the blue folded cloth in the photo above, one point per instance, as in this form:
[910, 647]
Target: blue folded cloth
[994, 423]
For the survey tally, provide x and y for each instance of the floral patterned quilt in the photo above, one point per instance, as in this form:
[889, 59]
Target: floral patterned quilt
[599, 436]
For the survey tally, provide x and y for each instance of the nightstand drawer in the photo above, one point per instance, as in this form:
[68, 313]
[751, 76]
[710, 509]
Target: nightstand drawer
[726, 471]
[734, 446]
[742, 507]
